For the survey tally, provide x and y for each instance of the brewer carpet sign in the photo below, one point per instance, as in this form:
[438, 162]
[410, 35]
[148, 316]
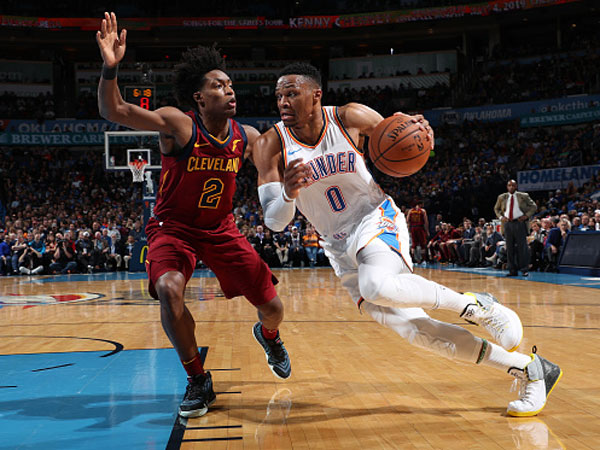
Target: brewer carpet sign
[561, 118]
[61, 132]
[568, 108]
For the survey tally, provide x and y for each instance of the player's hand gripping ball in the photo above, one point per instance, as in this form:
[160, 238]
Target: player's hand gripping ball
[399, 147]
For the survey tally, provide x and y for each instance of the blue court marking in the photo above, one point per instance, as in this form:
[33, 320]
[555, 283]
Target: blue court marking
[542, 277]
[128, 400]
[108, 276]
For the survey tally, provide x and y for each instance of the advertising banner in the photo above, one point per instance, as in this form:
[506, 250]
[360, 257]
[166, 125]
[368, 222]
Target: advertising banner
[513, 111]
[485, 8]
[556, 178]
[65, 132]
[68, 132]
[547, 119]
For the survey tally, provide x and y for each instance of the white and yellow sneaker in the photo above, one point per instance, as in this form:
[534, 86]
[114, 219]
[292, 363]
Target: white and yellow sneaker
[536, 381]
[502, 323]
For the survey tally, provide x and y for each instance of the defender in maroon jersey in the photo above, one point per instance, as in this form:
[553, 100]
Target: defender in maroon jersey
[202, 152]
[418, 226]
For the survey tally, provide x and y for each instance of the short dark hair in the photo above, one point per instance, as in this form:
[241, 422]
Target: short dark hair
[190, 72]
[304, 69]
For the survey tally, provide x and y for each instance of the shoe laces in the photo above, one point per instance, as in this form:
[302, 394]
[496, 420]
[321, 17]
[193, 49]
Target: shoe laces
[522, 383]
[276, 347]
[523, 386]
[196, 387]
[492, 320]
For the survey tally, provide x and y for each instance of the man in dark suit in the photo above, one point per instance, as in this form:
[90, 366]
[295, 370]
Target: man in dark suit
[554, 242]
[514, 209]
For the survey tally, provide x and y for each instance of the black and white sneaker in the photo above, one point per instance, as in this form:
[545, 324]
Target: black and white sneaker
[277, 356]
[199, 395]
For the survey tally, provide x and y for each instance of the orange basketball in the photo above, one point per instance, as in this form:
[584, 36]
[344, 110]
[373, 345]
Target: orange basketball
[398, 147]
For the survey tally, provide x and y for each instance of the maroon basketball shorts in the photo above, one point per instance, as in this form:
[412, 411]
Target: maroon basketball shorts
[173, 246]
[418, 237]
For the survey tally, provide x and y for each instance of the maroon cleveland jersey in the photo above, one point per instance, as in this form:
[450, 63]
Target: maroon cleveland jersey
[197, 184]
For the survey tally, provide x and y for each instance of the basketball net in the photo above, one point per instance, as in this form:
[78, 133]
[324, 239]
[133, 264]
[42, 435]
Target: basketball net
[137, 167]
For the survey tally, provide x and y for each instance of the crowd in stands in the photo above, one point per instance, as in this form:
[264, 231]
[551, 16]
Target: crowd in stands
[252, 104]
[551, 76]
[64, 212]
[481, 244]
[460, 183]
[40, 107]
[473, 161]
[52, 195]
[388, 100]
[501, 82]
[572, 40]
[61, 212]
[530, 73]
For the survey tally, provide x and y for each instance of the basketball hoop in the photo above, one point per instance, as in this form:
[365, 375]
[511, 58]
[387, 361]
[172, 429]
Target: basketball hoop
[137, 167]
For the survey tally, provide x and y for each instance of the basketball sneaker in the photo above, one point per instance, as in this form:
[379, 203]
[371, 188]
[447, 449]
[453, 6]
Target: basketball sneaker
[277, 356]
[199, 395]
[536, 381]
[502, 323]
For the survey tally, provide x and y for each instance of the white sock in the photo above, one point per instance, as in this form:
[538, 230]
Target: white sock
[495, 356]
[452, 300]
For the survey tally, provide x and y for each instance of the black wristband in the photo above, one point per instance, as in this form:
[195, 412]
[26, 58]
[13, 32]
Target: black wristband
[109, 73]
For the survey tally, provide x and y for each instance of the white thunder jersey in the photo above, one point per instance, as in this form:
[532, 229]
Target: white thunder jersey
[342, 201]
[341, 190]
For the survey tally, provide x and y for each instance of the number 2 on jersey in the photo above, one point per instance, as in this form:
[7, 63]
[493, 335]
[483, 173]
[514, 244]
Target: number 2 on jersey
[211, 193]
[335, 199]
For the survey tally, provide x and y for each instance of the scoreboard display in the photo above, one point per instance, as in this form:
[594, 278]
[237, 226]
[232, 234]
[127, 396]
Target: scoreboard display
[142, 96]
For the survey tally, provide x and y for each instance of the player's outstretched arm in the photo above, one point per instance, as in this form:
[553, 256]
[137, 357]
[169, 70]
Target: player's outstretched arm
[168, 120]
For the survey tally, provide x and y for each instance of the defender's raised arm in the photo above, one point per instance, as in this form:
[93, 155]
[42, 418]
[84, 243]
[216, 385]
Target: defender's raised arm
[168, 120]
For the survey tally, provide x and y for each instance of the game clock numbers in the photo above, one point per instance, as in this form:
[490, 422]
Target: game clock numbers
[142, 96]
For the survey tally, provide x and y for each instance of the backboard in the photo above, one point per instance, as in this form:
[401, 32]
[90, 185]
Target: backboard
[122, 147]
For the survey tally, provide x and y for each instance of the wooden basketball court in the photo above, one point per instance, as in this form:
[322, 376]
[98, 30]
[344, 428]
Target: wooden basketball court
[85, 364]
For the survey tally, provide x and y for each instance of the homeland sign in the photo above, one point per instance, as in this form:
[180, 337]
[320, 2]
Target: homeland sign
[557, 178]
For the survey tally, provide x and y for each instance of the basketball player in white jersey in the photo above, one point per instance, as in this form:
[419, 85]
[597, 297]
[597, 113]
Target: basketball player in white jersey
[312, 160]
